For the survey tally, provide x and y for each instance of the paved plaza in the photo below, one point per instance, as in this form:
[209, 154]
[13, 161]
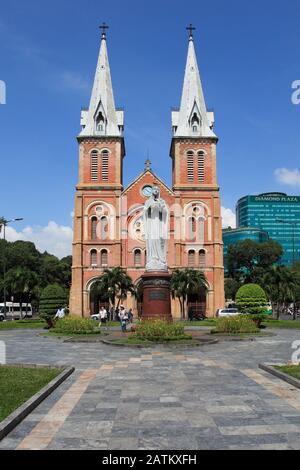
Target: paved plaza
[210, 397]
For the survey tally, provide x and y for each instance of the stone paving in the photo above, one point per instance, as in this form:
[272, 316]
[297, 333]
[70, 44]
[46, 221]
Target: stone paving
[210, 397]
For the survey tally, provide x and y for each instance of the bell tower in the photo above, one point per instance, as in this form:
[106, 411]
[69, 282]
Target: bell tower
[97, 240]
[193, 153]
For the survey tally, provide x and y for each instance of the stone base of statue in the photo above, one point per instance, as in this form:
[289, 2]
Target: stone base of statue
[156, 295]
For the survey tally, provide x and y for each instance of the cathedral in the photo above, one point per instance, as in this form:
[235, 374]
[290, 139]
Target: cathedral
[108, 223]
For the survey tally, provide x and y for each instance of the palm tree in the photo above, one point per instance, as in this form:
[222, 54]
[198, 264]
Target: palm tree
[280, 284]
[186, 282]
[116, 284]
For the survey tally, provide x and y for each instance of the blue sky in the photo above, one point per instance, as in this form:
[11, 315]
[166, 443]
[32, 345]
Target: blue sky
[248, 55]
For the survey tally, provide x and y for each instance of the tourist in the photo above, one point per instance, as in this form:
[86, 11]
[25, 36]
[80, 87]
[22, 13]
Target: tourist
[130, 315]
[117, 317]
[111, 314]
[103, 317]
[60, 313]
[123, 318]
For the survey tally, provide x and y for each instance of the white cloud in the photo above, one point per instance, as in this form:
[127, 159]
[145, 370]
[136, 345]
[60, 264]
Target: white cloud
[228, 218]
[74, 81]
[54, 238]
[289, 177]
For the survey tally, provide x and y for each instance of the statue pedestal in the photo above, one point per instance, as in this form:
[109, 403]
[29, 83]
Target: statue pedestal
[156, 295]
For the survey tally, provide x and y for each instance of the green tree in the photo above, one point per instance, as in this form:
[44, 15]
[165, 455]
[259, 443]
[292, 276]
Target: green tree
[116, 284]
[186, 282]
[247, 260]
[52, 297]
[251, 298]
[21, 284]
[280, 283]
[231, 288]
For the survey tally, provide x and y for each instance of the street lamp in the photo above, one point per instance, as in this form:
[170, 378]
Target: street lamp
[3, 224]
[293, 224]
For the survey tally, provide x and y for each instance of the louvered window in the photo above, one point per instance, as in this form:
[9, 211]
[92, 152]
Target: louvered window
[190, 166]
[94, 165]
[202, 260]
[191, 258]
[137, 257]
[93, 258]
[104, 258]
[104, 155]
[201, 167]
[94, 228]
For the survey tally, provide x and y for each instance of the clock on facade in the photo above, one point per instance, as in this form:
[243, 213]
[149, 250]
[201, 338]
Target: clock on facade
[147, 191]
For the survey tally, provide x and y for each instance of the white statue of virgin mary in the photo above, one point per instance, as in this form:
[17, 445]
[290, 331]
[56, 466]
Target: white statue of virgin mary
[156, 222]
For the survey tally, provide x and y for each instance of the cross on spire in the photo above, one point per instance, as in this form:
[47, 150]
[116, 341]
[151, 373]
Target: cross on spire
[148, 164]
[103, 27]
[190, 28]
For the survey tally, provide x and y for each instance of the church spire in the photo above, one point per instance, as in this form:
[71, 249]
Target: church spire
[193, 119]
[102, 118]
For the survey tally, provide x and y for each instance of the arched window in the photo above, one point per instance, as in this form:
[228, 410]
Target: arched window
[94, 222]
[104, 258]
[192, 228]
[137, 257]
[202, 260]
[94, 165]
[195, 122]
[191, 258]
[104, 227]
[100, 124]
[201, 228]
[190, 166]
[93, 258]
[104, 157]
[201, 156]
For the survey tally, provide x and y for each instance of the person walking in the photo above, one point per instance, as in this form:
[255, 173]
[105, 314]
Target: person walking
[111, 314]
[130, 315]
[123, 318]
[103, 317]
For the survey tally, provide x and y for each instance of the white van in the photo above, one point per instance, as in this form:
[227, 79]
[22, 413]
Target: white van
[13, 311]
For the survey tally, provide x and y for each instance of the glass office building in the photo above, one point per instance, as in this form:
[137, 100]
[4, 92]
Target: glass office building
[279, 215]
[232, 236]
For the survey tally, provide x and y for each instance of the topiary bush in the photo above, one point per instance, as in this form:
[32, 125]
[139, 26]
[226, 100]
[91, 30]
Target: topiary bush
[235, 325]
[160, 331]
[75, 325]
[251, 298]
[52, 297]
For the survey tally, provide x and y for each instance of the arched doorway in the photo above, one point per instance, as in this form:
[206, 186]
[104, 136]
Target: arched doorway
[97, 298]
[197, 304]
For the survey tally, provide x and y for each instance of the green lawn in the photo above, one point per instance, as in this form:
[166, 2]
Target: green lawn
[17, 385]
[294, 325]
[15, 324]
[293, 371]
[75, 335]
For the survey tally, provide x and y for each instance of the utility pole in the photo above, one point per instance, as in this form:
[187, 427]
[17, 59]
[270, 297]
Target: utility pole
[3, 224]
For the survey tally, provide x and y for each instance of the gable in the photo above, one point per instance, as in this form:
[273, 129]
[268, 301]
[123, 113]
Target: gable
[147, 178]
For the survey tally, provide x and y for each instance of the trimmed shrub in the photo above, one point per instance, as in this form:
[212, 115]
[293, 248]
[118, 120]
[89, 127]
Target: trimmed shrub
[52, 297]
[251, 298]
[75, 325]
[160, 331]
[235, 325]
